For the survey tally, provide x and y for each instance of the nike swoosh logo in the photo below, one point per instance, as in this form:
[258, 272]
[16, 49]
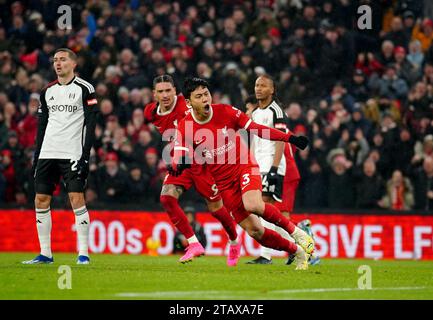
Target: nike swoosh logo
[214, 197]
[242, 188]
[199, 141]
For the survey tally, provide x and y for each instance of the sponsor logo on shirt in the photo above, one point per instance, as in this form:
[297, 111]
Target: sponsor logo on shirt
[91, 102]
[63, 108]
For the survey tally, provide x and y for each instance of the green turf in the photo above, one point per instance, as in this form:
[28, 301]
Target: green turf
[144, 277]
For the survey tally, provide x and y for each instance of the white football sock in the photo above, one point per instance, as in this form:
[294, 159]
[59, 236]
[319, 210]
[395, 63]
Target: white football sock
[297, 233]
[284, 233]
[43, 224]
[231, 242]
[82, 223]
[193, 239]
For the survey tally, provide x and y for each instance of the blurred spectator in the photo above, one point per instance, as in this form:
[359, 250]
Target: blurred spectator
[331, 65]
[423, 182]
[355, 149]
[404, 151]
[260, 26]
[423, 32]
[137, 185]
[397, 35]
[406, 70]
[151, 161]
[7, 170]
[408, 22]
[390, 85]
[340, 185]
[294, 114]
[3, 131]
[313, 185]
[386, 55]
[358, 87]
[415, 56]
[180, 242]
[423, 150]
[369, 186]
[361, 123]
[28, 126]
[232, 85]
[111, 180]
[339, 93]
[143, 143]
[399, 193]
[368, 64]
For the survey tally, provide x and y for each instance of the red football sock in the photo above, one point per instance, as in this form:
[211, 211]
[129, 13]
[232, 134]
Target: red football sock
[274, 240]
[176, 214]
[227, 221]
[273, 215]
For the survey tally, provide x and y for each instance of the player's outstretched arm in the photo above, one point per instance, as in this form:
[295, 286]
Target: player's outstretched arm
[182, 153]
[276, 135]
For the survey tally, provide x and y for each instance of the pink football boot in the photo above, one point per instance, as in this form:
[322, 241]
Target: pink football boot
[193, 250]
[234, 254]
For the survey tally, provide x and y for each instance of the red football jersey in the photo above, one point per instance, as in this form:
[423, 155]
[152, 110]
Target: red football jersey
[166, 121]
[216, 142]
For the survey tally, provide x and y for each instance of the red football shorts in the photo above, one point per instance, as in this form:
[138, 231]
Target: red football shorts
[289, 194]
[199, 177]
[248, 179]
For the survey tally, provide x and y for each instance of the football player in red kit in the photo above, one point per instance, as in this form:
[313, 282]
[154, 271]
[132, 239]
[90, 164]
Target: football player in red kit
[209, 135]
[165, 114]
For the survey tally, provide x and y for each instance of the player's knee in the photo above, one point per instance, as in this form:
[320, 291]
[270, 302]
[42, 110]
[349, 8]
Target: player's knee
[214, 206]
[42, 201]
[255, 232]
[169, 190]
[167, 201]
[253, 206]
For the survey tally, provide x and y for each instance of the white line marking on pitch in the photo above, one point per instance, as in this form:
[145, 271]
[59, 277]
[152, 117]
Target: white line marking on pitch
[345, 289]
[228, 294]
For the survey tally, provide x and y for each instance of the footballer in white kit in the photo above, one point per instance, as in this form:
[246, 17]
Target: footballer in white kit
[269, 154]
[66, 132]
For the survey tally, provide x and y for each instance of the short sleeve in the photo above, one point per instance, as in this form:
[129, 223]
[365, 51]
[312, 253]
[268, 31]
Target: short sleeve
[90, 102]
[280, 119]
[241, 119]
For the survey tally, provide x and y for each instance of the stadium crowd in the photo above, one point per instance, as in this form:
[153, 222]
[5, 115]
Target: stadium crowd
[364, 97]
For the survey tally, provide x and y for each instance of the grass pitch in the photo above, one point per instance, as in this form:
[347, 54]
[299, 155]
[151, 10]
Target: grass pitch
[162, 278]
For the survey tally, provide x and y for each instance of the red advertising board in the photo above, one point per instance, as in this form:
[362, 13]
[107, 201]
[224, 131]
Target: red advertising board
[337, 235]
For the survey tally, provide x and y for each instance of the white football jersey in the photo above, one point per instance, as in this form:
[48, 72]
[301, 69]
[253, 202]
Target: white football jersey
[66, 106]
[264, 150]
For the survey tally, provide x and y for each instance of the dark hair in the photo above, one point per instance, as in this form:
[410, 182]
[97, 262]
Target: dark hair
[267, 76]
[163, 78]
[191, 84]
[71, 53]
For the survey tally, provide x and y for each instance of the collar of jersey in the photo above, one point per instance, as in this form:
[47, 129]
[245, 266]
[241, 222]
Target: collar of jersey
[58, 82]
[207, 120]
[158, 109]
[266, 106]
